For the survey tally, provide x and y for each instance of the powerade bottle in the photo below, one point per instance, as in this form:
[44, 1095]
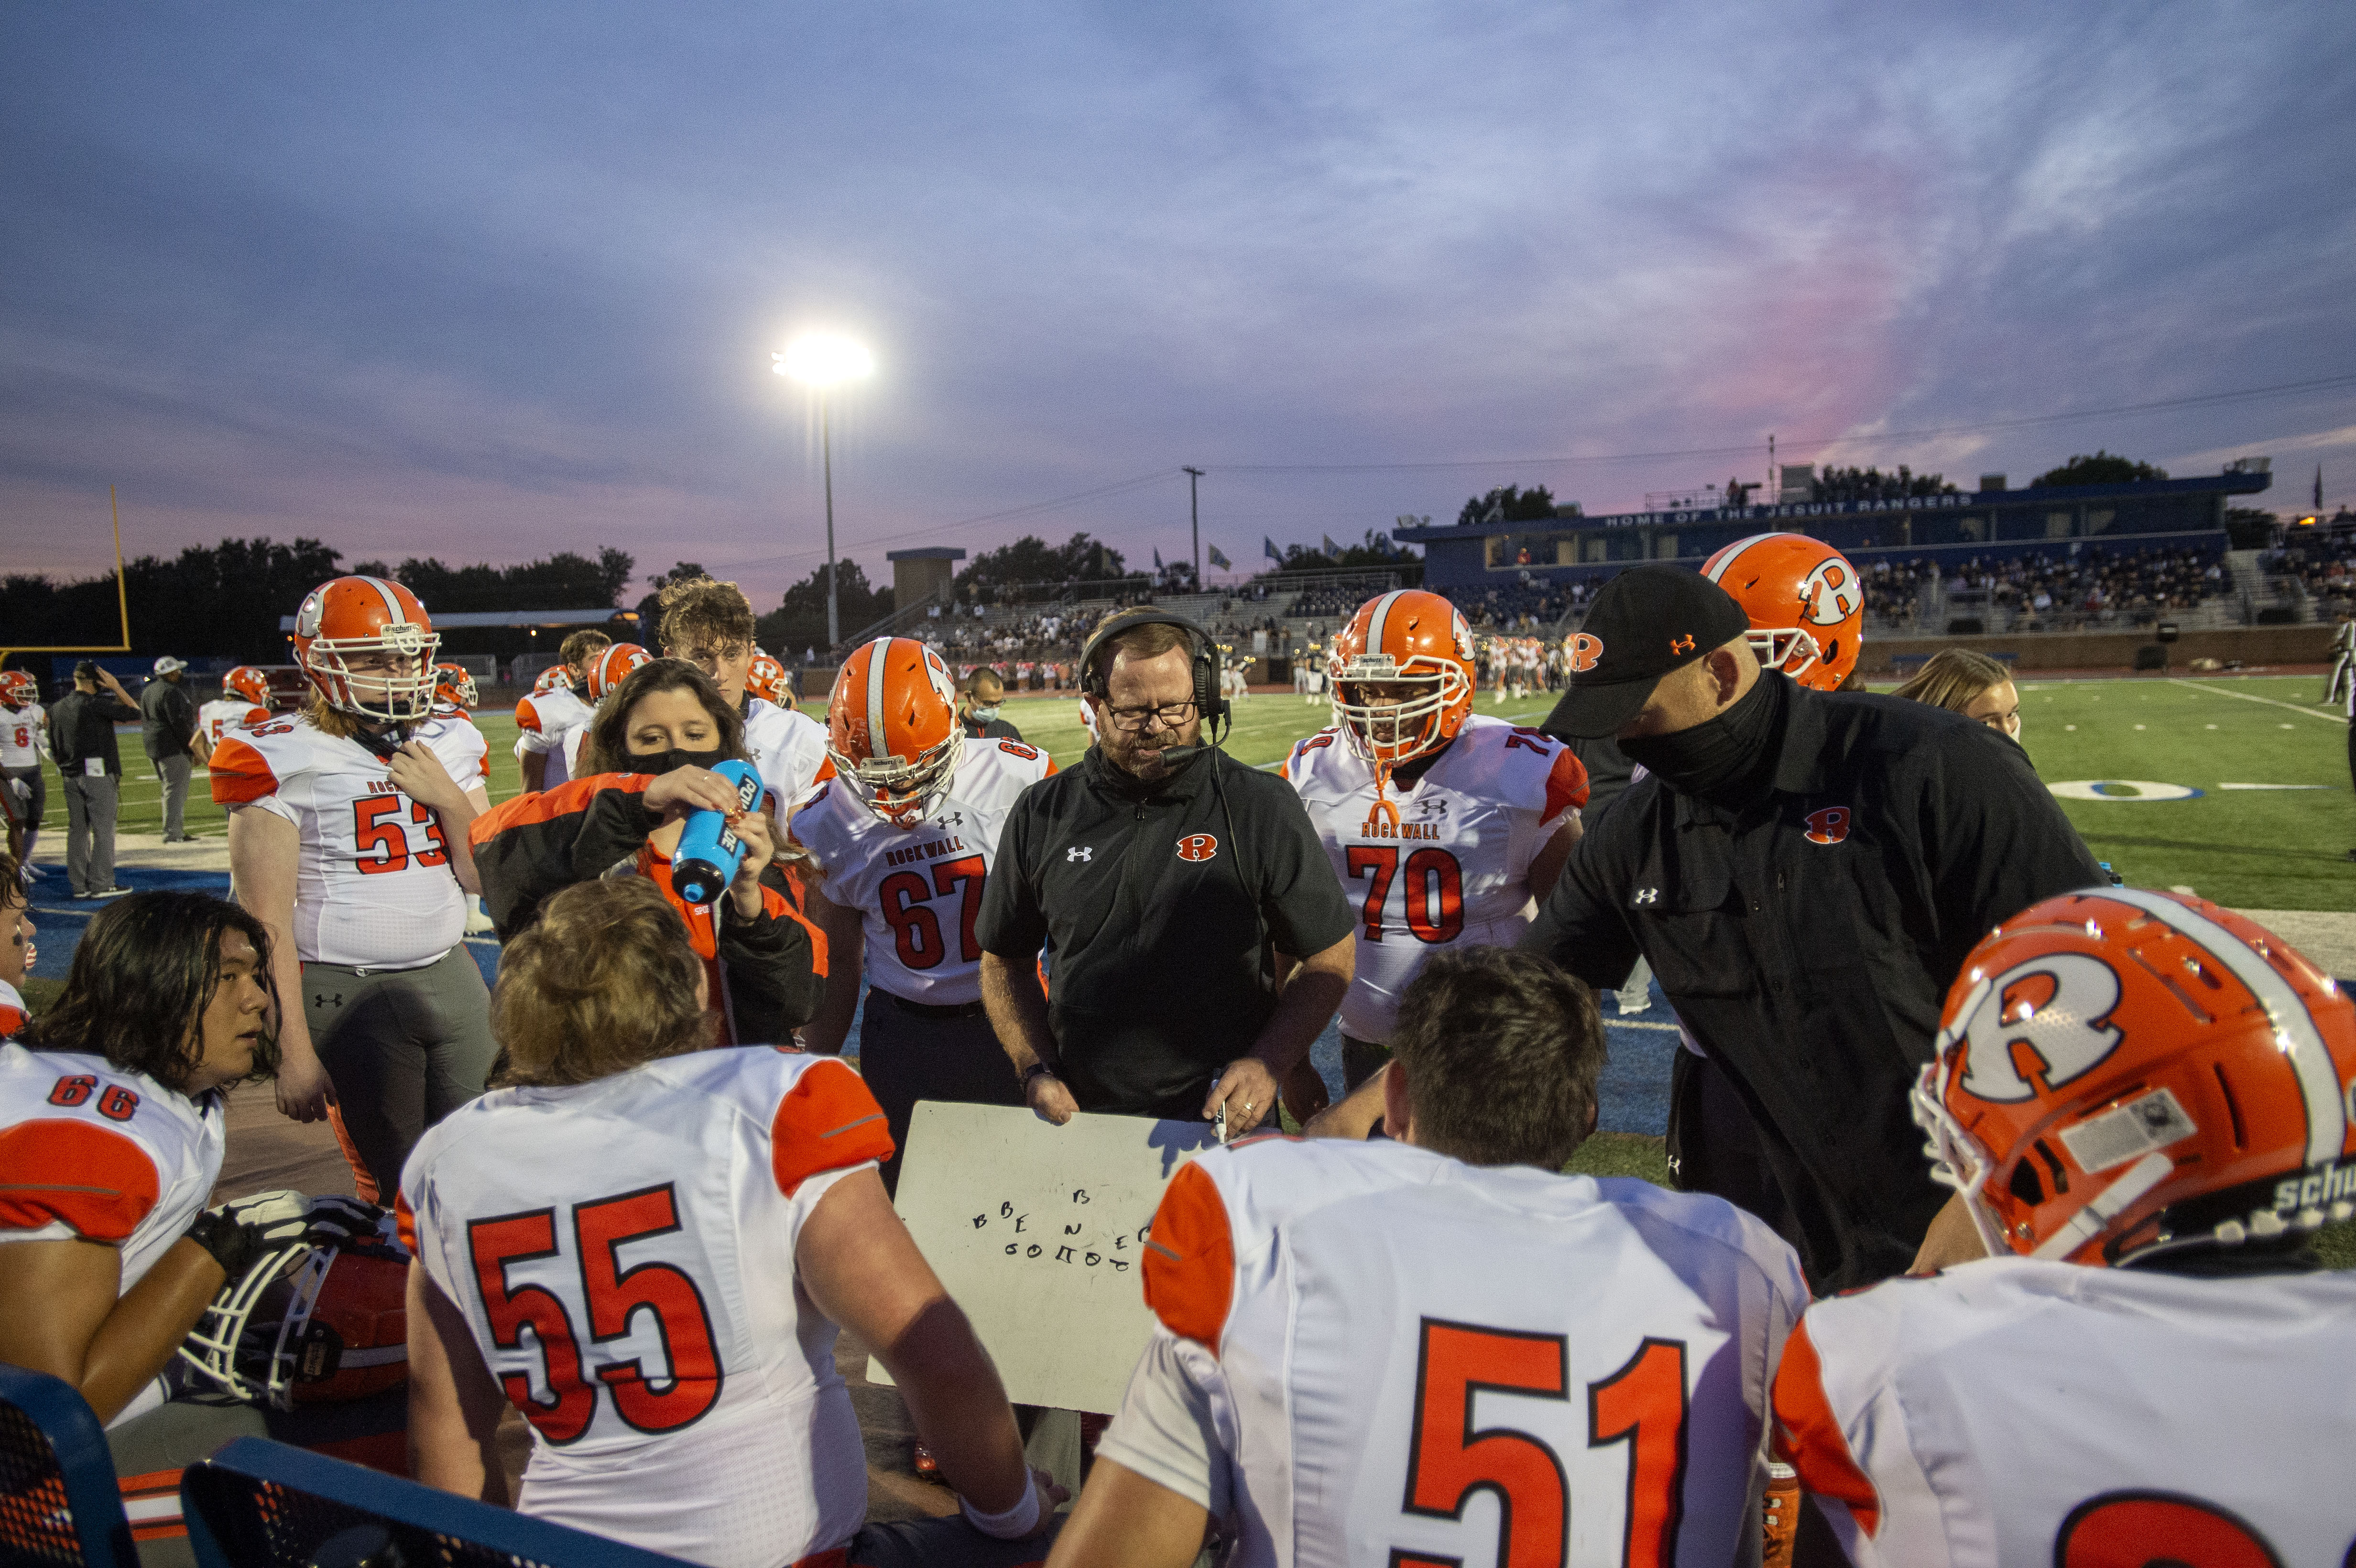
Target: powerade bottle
[709, 850]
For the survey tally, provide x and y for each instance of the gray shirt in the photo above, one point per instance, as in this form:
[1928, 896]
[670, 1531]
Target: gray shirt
[168, 716]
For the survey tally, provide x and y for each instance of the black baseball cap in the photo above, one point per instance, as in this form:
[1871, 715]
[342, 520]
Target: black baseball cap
[1648, 620]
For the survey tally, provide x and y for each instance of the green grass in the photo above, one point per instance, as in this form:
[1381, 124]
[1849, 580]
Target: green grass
[1265, 726]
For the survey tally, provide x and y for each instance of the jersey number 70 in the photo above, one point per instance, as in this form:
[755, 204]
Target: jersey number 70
[1642, 1404]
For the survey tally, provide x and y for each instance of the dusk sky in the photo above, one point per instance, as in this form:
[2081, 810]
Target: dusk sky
[488, 281]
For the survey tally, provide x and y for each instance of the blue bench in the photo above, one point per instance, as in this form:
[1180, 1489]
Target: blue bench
[58, 1501]
[259, 1504]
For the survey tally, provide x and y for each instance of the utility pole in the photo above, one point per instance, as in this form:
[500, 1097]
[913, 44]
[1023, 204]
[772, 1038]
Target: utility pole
[1195, 521]
[826, 446]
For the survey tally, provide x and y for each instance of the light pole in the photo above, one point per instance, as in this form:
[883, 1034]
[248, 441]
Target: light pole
[1194, 523]
[821, 361]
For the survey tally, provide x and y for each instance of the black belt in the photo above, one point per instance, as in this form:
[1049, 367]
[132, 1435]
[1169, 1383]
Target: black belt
[927, 1011]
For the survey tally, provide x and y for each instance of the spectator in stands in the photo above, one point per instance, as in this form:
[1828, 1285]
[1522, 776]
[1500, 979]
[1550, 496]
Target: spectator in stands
[111, 1140]
[778, 1229]
[647, 768]
[90, 768]
[1973, 685]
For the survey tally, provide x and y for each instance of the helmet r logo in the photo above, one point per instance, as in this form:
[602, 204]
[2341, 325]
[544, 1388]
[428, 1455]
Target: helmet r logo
[1586, 649]
[1831, 594]
[2054, 1005]
[1197, 847]
[1829, 826]
[1681, 645]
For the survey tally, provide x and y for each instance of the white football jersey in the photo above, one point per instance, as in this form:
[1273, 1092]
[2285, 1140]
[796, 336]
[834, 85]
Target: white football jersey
[1454, 867]
[918, 889]
[13, 1016]
[543, 721]
[788, 751]
[20, 736]
[373, 886]
[89, 1151]
[2013, 1410]
[224, 714]
[1409, 1360]
[681, 1390]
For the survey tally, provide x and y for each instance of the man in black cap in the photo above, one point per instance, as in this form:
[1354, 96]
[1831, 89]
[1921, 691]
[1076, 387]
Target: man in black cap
[1805, 871]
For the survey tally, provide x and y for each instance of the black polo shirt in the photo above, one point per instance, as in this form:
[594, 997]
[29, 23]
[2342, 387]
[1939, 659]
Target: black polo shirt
[1153, 907]
[1808, 940]
[988, 729]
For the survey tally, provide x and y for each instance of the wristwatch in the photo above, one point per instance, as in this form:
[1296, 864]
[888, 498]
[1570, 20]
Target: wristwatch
[1036, 1069]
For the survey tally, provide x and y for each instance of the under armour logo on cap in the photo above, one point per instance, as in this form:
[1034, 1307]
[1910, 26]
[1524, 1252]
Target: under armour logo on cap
[1646, 896]
[1081, 852]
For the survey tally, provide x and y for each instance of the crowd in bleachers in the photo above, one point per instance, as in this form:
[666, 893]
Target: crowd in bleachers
[2096, 584]
[1520, 606]
[2323, 562]
[1873, 484]
[1893, 590]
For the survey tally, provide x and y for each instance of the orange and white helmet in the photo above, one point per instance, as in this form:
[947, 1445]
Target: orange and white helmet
[613, 667]
[249, 683]
[354, 616]
[1805, 602]
[308, 1322]
[555, 678]
[764, 677]
[454, 688]
[891, 729]
[2121, 1071]
[1411, 638]
[17, 687]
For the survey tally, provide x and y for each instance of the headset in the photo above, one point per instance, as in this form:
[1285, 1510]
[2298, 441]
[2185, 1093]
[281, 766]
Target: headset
[1096, 679]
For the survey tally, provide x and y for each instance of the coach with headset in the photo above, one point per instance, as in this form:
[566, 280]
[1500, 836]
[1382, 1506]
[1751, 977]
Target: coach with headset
[1196, 940]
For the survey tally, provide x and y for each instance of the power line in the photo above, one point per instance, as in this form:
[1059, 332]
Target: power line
[2204, 400]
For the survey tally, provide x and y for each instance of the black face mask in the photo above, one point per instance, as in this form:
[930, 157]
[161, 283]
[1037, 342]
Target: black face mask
[664, 762]
[1726, 759]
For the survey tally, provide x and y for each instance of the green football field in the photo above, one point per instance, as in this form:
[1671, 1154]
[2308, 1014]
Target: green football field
[2269, 827]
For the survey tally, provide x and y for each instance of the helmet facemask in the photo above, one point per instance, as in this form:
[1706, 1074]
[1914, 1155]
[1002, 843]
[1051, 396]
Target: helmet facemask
[1389, 733]
[1791, 649]
[900, 792]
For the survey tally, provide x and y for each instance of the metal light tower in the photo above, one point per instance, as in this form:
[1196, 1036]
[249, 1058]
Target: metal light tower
[1195, 522]
[822, 361]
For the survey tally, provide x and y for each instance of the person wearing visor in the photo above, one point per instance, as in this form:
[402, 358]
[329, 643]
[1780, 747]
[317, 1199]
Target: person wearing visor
[347, 837]
[978, 709]
[1805, 871]
[1443, 826]
[907, 831]
[645, 770]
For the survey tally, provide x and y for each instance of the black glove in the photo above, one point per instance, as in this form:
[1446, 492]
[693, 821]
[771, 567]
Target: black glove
[238, 1232]
[336, 1221]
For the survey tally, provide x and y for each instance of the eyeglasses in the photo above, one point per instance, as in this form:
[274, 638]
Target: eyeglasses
[1172, 715]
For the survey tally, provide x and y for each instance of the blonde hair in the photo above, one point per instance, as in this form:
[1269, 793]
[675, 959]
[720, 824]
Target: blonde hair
[1953, 679]
[330, 719]
[702, 611]
[603, 981]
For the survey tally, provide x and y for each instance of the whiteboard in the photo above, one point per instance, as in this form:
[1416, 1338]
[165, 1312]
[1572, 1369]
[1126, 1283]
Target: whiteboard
[1038, 1231]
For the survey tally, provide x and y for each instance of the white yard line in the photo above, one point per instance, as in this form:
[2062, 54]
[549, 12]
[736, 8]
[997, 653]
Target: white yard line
[2269, 701]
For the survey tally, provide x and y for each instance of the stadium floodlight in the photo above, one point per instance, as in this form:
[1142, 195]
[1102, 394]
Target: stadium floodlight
[822, 361]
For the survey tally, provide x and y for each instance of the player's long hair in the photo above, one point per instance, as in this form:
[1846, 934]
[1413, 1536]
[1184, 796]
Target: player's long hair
[602, 982]
[142, 978]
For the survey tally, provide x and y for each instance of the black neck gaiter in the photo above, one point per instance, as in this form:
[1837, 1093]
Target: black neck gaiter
[1728, 759]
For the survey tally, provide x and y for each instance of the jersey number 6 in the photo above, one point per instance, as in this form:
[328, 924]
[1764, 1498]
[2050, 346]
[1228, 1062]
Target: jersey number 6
[1642, 1404]
[915, 934]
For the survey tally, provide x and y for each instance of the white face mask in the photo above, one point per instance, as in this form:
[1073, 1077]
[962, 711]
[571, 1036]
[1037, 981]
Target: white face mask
[983, 715]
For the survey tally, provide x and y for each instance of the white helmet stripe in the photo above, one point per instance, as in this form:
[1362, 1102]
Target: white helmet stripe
[2295, 1032]
[391, 600]
[879, 664]
[1374, 622]
[1732, 553]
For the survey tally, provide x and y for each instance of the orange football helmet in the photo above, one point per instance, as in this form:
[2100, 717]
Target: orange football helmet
[613, 667]
[892, 728]
[249, 683]
[766, 679]
[357, 616]
[17, 687]
[2120, 1073]
[555, 678]
[1403, 638]
[309, 1324]
[1805, 602]
[454, 687]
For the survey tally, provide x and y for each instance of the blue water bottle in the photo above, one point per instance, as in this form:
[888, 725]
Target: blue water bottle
[709, 850]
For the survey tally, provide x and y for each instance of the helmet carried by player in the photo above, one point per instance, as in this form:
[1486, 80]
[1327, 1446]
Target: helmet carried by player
[766, 679]
[2121, 1071]
[1805, 602]
[892, 728]
[454, 687]
[373, 619]
[249, 683]
[309, 1324]
[613, 667]
[1417, 646]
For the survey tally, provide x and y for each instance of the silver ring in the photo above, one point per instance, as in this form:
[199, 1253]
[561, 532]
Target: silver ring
[1247, 1105]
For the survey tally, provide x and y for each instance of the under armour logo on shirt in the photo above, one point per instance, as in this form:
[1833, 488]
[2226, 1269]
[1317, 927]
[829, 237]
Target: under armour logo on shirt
[1080, 852]
[1646, 896]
